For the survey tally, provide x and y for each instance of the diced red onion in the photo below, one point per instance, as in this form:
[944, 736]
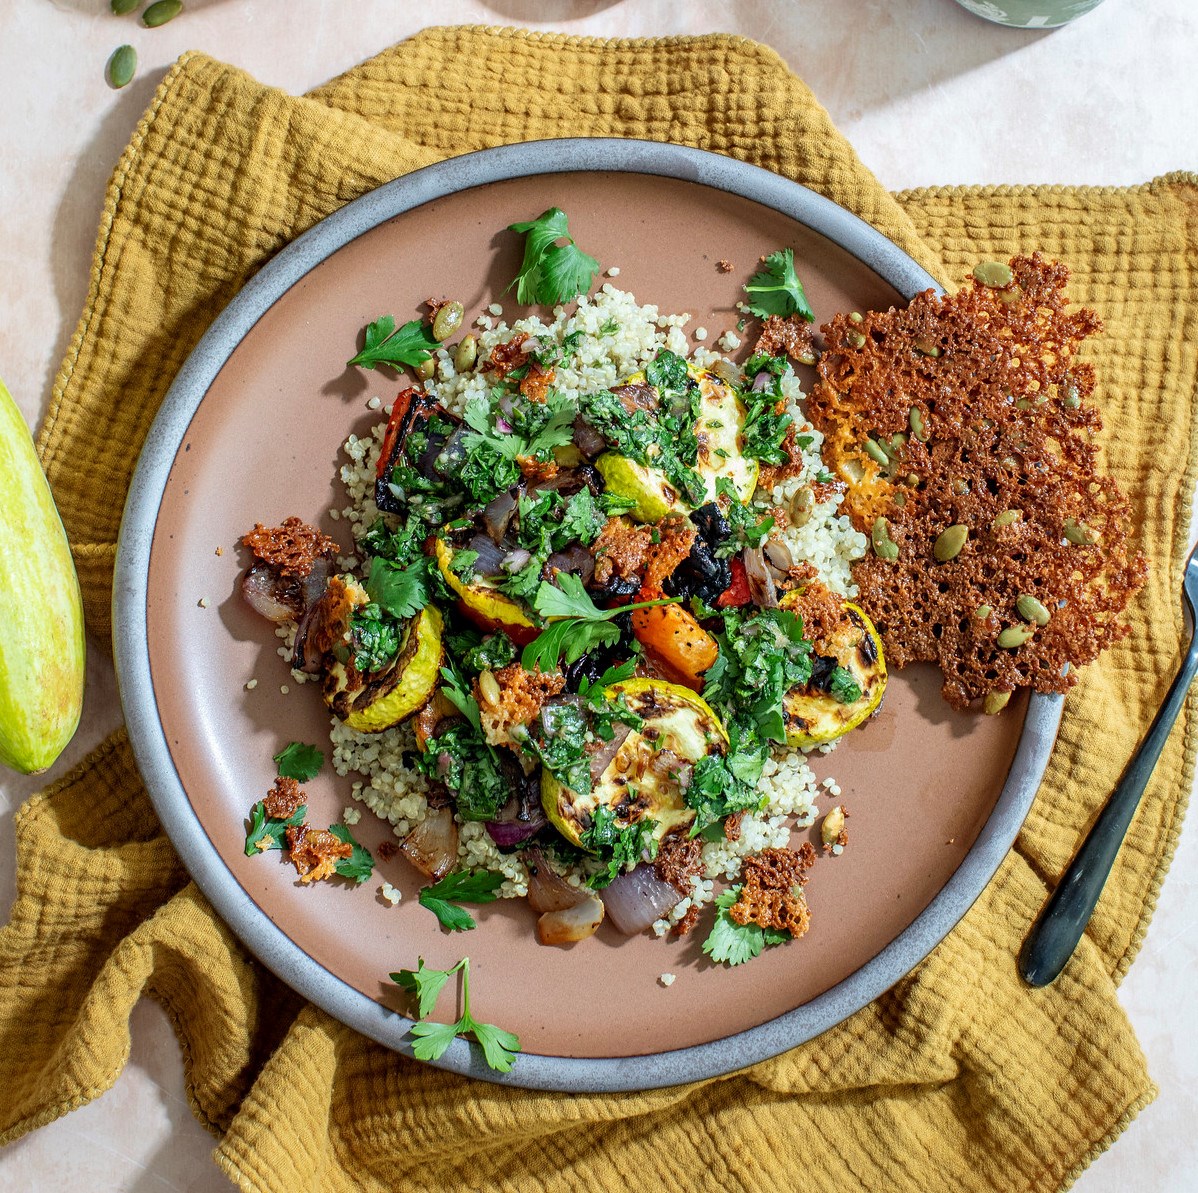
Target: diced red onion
[432, 846]
[547, 889]
[635, 899]
[760, 381]
[513, 561]
[503, 426]
[571, 924]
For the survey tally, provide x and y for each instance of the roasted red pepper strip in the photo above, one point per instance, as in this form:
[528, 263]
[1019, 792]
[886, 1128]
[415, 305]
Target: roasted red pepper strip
[737, 593]
[395, 425]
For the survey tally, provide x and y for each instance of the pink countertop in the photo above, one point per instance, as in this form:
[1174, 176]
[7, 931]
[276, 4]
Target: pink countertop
[927, 94]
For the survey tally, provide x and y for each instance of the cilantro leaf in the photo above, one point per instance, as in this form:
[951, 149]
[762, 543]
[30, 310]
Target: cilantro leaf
[360, 864]
[579, 626]
[299, 761]
[843, 686]
[461, 886]
[732, 943]
[265, 833]
[411, 345]
[551, 273]
[401, 590]
[425, 983]
[776, 290]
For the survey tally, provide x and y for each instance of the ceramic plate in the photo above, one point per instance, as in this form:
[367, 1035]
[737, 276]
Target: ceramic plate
[251, 431]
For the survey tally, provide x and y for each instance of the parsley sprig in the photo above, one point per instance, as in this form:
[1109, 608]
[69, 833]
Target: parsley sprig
[776, 290]
[462, 886]
[359, 866]
[578, 624]
[432, 1039]
[551, 273]
[412, 344]
[299, 761]
[266, 832]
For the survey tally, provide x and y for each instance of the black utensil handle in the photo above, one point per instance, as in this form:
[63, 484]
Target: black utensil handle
[1065, 915]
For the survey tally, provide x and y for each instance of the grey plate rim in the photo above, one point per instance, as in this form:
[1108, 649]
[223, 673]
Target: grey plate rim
[131, 649]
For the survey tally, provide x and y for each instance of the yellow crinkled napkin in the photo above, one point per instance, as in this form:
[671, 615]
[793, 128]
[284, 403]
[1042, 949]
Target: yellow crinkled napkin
[960, 1078]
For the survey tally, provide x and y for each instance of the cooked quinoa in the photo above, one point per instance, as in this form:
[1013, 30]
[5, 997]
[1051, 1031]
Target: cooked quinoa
[819, 535]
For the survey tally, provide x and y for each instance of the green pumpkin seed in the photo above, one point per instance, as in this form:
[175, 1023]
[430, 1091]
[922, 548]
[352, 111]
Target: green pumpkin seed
[898, 442]
[874, 450]
[160, 12]
[801, 505]
[121, 67]
[1031, 609]
[926, 348]
[1023, 404]
[808, 357]
[960, 486]
[912, 479]
[120, 7]
[426, 369]
[1012, 296]
[884, 546]
[949, 543]
[855, 338]
[1006, 518]
[982, 612]
[1073, 398]
[856, 317]
[994, 274]
[1015, 636]
[915, 419]
[447, 321]
[1078, 533]
[995, 702]
[465, 354]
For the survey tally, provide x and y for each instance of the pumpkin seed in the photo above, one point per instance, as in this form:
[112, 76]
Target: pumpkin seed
[874, 451]
[160, 12]
[994, 274]
[915, 419]
[426, 369]
[801, 505]
[995, 702]
[488, 687]
[960, 486]
[1015, 636]
[1012, 296]
[1023, 404]
[898, 442]
[1006, 518]
[855, 338]
[447, 321]
[856, 316]
[884, 546]
[949, 543]
[982, 612]
[1031, 609]
[121, 67]
[1078, 533]
[912, 479]
[1073, 398]
[808, 356]
[465, 354]
[926, 348]
[120, 7]
[832, 826]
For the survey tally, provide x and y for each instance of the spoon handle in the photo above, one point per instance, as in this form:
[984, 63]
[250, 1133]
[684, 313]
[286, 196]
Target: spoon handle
[1065, 915]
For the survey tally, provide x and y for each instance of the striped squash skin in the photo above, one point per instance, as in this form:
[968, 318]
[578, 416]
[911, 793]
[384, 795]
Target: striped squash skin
[42, 650]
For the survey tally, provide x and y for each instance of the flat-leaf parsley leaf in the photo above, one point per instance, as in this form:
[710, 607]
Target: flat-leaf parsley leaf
[432, 1039]
[462, 886]
[732, 943]
[550, 272]
[360, 864]
[265, 832]
[411, 345]
[299, 761]
[776, 290]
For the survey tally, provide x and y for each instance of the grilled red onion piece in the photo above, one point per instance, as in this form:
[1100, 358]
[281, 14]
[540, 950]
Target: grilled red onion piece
[497, 516]
[605, 751]
[576, 560]
[432, 846]
[760, 381]
[587, 439]
[547, 889]
[761, 583]
[571, 924]
[490, 555]
[268, 593]
[518, 820]
[635, 899]
[303, 656]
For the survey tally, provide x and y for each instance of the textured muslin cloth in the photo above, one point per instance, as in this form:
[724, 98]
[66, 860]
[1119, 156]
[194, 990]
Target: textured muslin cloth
[960, 1078]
